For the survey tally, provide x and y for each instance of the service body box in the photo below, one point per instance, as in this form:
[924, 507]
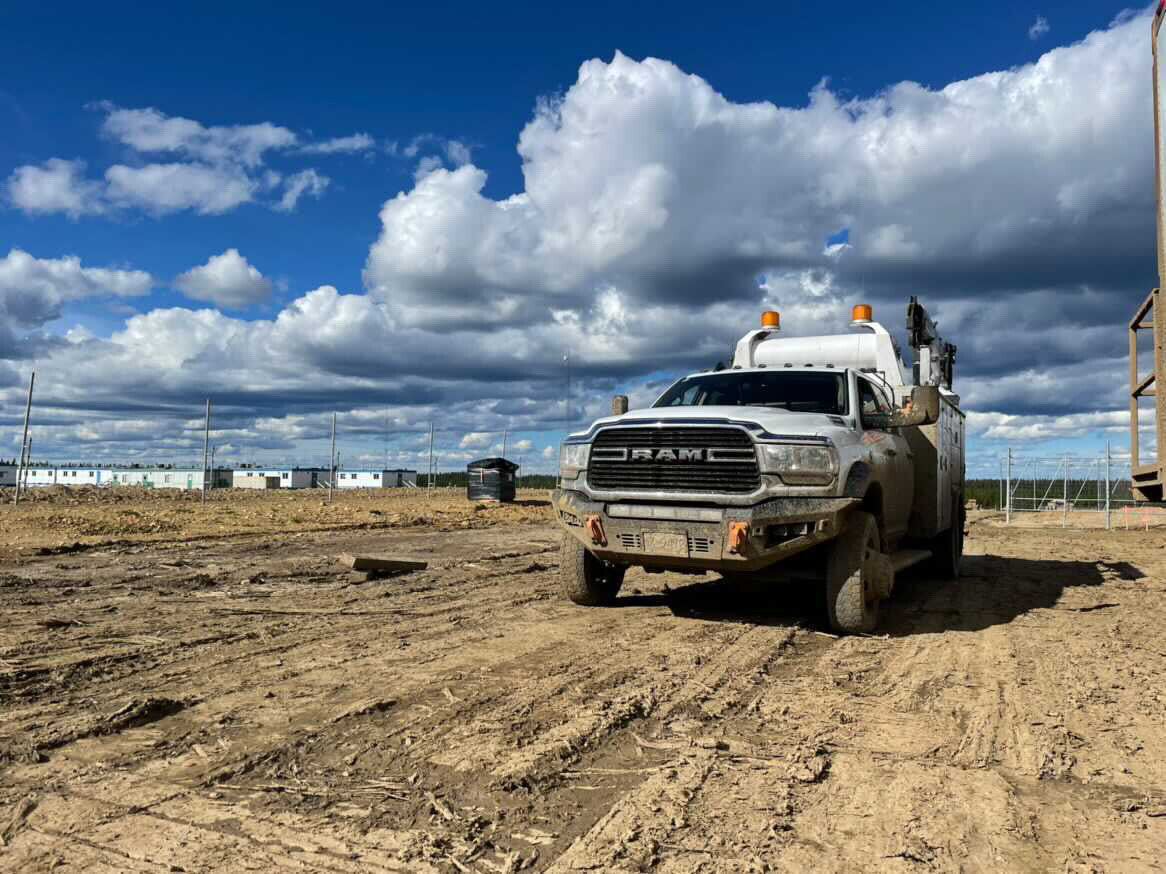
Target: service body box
[939, 469]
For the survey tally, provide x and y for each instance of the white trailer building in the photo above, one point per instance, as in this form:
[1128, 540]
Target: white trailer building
[171, 477]
[40, 476]
[68, 475]
[373, 479]
[279, 478]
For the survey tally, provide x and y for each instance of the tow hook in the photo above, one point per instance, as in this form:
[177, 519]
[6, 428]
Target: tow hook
[595, 529]
[738, 534]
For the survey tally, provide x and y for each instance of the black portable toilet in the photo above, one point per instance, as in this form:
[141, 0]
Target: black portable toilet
[490, 479]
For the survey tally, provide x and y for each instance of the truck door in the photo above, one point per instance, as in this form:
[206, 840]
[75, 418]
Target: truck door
[891, 458]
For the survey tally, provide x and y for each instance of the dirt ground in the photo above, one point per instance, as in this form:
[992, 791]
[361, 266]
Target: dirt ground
[199, 700]
[58, 517]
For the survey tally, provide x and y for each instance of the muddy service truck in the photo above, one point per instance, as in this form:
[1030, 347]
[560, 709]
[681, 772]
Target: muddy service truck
[809, 458]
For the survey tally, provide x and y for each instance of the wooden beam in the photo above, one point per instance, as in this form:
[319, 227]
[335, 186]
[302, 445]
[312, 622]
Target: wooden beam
[374, 564]
[1136, 321]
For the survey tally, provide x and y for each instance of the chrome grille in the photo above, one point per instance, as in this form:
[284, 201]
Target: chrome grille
[734, 472]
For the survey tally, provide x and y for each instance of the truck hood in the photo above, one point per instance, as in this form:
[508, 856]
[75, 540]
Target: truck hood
[775, 421]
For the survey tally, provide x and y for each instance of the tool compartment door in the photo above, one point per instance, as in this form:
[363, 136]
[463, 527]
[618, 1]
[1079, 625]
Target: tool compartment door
[938, 451]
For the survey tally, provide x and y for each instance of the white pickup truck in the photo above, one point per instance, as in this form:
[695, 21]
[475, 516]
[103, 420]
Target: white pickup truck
[820, 455]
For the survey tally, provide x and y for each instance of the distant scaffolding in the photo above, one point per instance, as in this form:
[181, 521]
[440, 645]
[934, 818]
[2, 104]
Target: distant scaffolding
[1071, 492]
[1147, 479]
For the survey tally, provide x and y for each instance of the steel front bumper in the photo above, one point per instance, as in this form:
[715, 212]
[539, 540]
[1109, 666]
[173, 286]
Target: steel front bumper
[724, 539]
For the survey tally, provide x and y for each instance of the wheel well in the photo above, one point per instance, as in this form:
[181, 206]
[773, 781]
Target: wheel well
[872, 502]
[857, 480]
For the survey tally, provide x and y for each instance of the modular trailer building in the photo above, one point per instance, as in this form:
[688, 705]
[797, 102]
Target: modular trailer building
[150, 477]
[171, 477]
[373, 479]
[284, 478]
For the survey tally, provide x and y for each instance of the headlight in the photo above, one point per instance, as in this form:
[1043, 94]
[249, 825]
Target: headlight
[799, 465]
[573, 458]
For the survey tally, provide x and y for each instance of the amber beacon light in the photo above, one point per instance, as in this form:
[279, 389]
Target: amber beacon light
[770, 319]
[863, 312]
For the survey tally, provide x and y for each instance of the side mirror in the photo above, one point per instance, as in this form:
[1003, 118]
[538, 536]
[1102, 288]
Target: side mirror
[921, 409]
[619, 405]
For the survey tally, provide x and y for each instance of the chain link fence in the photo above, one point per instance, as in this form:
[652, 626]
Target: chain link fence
[1069, 491]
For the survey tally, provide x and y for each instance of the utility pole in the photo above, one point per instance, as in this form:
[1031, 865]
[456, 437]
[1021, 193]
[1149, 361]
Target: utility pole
[1008, 488]
[27, 464]
[429, 484]
[567, 406]
[505, 437]
[332, 460]
[206, 445]
[24, 440]
[213, 448]
[1108, 521]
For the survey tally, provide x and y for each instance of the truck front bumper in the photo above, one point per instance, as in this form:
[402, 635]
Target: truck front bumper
[684, 537]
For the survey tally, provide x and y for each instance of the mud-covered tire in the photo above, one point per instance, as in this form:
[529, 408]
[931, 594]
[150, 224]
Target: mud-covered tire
[948, 548]
[585, 579]
[852, 603]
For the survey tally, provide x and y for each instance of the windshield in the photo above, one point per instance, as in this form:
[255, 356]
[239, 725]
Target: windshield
[797, 391]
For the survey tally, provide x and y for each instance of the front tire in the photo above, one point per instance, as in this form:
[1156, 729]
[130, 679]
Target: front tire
[585, 579]
[852, 577]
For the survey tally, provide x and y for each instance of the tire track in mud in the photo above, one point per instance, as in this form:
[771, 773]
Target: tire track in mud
[1012, 721]
[186, 655]
[557, 743]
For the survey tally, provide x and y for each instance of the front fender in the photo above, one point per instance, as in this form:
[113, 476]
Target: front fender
[858, 480]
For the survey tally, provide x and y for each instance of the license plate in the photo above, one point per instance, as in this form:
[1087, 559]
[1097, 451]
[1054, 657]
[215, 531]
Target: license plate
[666, 544]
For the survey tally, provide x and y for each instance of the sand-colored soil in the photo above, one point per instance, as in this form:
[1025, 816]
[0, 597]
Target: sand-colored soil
[241, 703]
[58, 518]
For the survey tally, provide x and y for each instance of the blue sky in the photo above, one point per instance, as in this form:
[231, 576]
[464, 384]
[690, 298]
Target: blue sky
[456, 303]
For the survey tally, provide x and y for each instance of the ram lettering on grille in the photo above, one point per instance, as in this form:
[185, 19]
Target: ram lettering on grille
[681, 459]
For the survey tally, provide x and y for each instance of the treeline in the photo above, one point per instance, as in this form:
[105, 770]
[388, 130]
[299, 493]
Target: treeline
[459, 480]
[1032, 494]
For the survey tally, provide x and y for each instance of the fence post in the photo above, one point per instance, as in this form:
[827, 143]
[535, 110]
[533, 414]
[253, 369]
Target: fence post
[1108, 521]
[1008, 488]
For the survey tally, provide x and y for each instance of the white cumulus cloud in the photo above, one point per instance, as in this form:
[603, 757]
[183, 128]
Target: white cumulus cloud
[307, 182]
[658, 217]
[34, 290]
[55, 186]
[359, 142]
[227, 281]
[148, 130]
[165, 188]
[185, 165]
